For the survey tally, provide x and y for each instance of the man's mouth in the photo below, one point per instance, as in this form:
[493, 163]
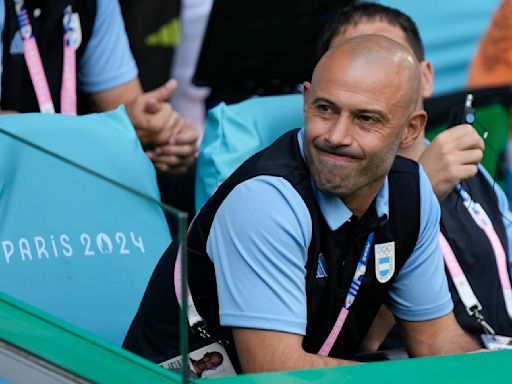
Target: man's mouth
[338, 156]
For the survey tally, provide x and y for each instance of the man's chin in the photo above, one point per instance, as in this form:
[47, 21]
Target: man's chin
[331, 188]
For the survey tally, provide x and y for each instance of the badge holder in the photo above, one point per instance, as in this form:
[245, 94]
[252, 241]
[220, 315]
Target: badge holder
[496, 342]
[206, 362]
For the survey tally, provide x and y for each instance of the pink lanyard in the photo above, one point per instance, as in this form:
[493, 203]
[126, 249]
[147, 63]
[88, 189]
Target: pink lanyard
[461, 283]
[349, 300]
[35, 65]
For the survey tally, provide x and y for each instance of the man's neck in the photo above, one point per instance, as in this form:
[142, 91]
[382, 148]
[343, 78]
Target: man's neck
[360, 201]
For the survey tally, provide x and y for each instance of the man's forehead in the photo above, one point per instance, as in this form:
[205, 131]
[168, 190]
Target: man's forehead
[372, 66]
[370, 91]
[359, 75]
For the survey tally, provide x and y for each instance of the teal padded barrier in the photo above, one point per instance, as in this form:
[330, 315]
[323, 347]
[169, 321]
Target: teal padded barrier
[82, 355]
[71, 244]
[235, 132]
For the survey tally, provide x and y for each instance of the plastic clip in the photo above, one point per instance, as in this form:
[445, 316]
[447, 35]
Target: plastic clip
[488, 330]
[202, 331]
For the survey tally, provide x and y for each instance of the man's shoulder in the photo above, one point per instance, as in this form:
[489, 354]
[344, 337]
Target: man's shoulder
[405, 177]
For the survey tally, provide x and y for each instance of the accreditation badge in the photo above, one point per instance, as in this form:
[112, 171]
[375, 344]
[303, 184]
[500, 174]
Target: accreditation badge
[209, 361]
[496, 342]
[384, 261]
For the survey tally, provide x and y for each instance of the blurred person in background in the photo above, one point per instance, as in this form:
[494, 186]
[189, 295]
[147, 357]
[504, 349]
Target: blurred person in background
[451, 162]
[93, 70]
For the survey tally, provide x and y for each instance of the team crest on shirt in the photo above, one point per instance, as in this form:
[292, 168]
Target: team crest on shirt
[384, 261]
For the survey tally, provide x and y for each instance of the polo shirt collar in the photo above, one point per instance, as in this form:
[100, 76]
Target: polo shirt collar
[334, 210]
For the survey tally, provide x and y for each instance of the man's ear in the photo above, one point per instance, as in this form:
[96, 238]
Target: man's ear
[414, 128]
[427, 78]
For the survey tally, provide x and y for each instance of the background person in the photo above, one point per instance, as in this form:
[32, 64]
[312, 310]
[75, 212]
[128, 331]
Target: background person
[106, 71]
[451, 158]
[107, 74]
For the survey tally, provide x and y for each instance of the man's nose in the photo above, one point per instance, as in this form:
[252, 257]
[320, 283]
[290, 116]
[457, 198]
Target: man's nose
[340, 132]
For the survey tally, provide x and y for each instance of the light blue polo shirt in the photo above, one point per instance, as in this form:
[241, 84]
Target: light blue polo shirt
[260, 255]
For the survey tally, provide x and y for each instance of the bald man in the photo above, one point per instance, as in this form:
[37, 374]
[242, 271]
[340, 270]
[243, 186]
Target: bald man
[278, 254]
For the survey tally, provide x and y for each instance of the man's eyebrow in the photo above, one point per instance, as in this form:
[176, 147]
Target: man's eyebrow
[369, 111]
[361, 111]
[320, 99]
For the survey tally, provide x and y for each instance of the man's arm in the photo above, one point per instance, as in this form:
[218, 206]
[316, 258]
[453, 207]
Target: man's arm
[381, 326]
[265, 351]
[441, 336]
[452, 156]
[110, 99]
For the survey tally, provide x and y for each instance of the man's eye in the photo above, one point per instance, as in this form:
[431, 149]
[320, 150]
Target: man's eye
[368, 119]
[323, 108]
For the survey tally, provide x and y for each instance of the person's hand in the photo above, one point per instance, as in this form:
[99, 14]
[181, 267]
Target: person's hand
[153, 116]
[452, 156]
[175, 157]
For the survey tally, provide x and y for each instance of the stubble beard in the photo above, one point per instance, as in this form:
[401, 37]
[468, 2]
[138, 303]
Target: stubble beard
[328, 179]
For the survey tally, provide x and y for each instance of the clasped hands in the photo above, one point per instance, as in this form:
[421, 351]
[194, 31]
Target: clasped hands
[169, 139]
